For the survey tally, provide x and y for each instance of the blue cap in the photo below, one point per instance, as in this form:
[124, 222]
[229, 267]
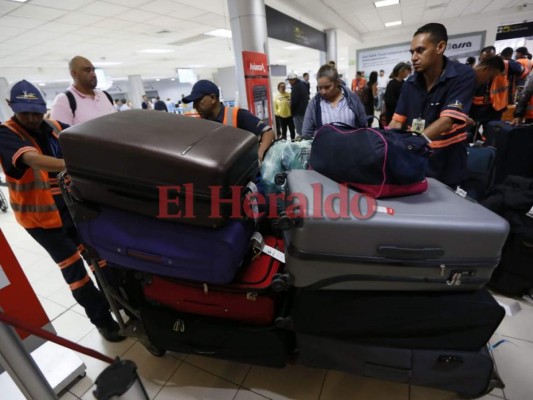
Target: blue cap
[26, 98]
[201, 89]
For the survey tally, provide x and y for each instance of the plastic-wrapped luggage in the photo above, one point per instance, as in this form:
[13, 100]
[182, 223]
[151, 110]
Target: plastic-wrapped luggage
[161, 165]
[432, 241]
[281, 157]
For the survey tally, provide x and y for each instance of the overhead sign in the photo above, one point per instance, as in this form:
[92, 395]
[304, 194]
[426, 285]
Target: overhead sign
[514, 31]
[283, 27]
[386, 57]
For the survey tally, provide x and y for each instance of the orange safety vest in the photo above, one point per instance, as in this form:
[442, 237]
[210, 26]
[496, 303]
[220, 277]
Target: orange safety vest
[230, 116]
[499, 90]
[31, 196]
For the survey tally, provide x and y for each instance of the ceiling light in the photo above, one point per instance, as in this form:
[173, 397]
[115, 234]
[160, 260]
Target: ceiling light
[40, 84]
[196, 66]
[385, 3]
[156, 51]
[20, 1]
[393, 23]
[172, 79]
[294, 47]
[222, 33]
[157, 79]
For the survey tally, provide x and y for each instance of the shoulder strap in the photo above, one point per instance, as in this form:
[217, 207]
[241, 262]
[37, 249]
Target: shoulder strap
[54, 125]
[318, 111]
[71, 101]
[108, 97]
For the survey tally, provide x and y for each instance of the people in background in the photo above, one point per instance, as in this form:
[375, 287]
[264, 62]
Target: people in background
[392, 93]
[146, 105]
[471, 61]
[124, 105]
[85, 101]
[282, 110]
[382, 85]
[171, 107]
[299, 100]
[205, 97]
[333, 103]
[31, 158]
[359, 82]
[159, 105]
[307, 83]
[524, 105]
[435, 102]
[369, 93]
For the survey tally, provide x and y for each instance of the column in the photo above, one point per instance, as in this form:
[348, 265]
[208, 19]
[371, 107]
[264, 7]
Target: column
[249, 33]
[136, 91]
[5, 110]
[331, 45]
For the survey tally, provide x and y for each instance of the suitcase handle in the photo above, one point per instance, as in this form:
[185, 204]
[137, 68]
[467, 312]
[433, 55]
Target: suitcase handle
[141, 255]
[410, 253]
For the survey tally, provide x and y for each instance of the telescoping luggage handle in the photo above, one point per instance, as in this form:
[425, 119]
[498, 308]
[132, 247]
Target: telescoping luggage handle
[259, 245]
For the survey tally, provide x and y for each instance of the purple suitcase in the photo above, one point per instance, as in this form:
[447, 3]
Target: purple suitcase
[161, 247]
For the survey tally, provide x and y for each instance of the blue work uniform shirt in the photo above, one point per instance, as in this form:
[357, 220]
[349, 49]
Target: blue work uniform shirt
[450, 97]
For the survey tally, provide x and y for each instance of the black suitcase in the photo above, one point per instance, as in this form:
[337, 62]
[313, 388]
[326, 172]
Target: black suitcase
[481, 169]
[227, 340]
[469, 373]
[454, 321]
[514, 145]
[129, 159]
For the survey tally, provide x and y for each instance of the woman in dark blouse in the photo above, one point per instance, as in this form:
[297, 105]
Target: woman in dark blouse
[394, 88]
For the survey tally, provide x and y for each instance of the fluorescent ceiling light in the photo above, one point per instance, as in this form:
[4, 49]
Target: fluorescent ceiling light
[393, 23]
[156, 51]
[385, 3]
[40, 84]
[20, 1]
[294, 47]
[222, 33]
[106, 63]
[196, 66]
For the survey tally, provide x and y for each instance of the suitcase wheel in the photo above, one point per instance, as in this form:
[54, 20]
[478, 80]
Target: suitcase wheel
[154, 350]
[280, 179]
[281, 282]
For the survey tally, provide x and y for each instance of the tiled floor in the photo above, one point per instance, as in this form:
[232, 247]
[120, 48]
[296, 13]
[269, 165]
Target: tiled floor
[178, 376]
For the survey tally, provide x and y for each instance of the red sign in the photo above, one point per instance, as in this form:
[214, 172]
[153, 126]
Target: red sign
[18, 299]
[257, 86]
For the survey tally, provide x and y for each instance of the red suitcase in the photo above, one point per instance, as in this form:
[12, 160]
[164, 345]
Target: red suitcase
[248, 299]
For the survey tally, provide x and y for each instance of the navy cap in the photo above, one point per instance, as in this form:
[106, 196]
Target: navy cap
[26, 98]
[201, 89]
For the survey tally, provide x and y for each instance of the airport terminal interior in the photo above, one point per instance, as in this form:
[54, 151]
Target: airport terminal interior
[161, 48]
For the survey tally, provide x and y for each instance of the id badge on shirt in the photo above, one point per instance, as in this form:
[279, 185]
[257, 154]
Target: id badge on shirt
[418, 125]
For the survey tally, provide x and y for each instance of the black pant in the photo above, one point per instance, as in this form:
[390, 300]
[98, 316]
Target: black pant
[287, 123]
[63, 246]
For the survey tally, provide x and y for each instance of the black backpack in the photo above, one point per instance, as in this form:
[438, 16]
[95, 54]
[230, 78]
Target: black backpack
[72, 100]
[513, 200]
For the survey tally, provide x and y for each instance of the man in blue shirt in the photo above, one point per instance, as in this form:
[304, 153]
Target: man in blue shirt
[435, 102]
[205, 97]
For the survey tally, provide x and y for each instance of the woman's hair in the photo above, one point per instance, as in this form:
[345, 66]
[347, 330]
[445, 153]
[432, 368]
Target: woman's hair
[328, 71]
[281, 83]
[372, 78]
[400, 67]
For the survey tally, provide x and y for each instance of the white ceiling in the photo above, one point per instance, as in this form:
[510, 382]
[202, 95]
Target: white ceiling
[38, 37]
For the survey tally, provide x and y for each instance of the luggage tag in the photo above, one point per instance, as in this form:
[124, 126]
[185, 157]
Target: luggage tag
[259, 245]
[460, 192]
[251, 195]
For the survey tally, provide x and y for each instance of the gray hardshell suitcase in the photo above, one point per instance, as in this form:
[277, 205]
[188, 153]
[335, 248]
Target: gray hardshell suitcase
[469, 373]
[161, 165]
[436, 240]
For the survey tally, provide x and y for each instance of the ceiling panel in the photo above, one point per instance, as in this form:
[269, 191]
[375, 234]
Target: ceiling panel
[40, 13]
[80, 19]
[69, 5]
[103, 9]
[17, 22]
